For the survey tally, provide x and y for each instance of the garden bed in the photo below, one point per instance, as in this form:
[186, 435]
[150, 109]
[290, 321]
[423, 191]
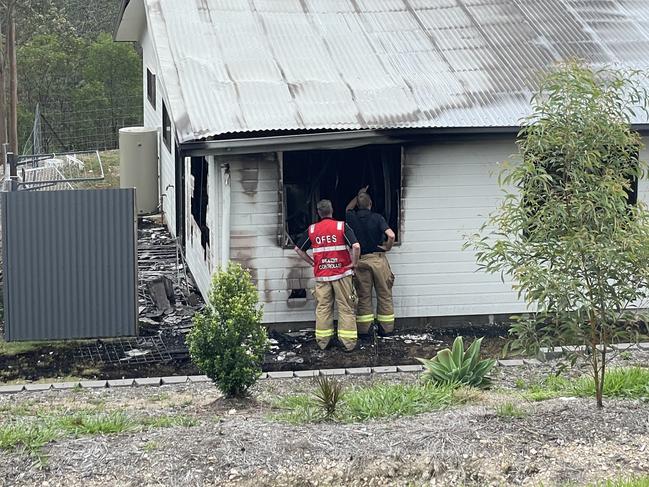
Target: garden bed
[189, 435]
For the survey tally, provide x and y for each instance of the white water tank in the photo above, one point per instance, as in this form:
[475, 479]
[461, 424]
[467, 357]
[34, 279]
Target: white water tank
[138, 166]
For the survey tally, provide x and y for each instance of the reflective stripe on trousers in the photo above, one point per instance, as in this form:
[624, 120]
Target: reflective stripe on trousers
[373, 273]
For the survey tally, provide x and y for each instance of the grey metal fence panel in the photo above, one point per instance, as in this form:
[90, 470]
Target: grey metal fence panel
[70, 264]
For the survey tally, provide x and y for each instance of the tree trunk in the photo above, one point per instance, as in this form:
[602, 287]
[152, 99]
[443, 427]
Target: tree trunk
[598, 390]
[12, 123]
[601, 378]
[596, 373]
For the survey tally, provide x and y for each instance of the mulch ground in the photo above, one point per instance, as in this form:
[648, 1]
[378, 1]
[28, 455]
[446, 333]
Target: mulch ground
[238, 443]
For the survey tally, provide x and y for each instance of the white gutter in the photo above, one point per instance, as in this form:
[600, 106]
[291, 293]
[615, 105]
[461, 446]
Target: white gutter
[225, 217]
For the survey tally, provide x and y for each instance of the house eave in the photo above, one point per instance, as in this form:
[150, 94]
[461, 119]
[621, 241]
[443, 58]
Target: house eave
[328, 140]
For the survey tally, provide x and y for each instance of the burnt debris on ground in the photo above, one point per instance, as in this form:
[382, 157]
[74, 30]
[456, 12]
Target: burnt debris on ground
[167, 300]
[297, 350]
[168, 296]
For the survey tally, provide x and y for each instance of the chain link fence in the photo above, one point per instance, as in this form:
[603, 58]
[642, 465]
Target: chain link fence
[66, 127]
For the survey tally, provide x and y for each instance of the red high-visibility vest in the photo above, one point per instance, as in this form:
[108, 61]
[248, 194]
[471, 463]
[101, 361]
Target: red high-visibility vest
[330, 254]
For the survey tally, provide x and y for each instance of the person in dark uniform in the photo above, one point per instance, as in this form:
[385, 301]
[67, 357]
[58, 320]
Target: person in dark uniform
[373, 270]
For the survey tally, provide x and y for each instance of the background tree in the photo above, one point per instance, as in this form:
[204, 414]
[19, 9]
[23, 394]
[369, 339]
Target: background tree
[69, 66]
[116, 67]
[567, 232]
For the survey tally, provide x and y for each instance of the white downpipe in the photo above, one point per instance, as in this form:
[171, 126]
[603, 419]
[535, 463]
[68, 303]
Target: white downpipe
[225, 217]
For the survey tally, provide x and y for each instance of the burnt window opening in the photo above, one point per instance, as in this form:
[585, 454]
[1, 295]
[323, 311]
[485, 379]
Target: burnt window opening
[166, 127]
[337, 175]
[199, 200]
[150, 87]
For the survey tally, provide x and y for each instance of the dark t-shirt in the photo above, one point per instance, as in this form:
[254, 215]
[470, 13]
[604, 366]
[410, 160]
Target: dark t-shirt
[304, 242]
[369, 228]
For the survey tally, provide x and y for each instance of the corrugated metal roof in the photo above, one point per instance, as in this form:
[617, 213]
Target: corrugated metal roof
[256, 65]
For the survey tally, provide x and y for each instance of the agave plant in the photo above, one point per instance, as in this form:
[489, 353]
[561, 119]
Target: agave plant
[457, 366]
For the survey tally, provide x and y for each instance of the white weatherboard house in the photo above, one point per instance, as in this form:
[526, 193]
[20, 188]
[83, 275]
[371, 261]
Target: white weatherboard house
[266, 106]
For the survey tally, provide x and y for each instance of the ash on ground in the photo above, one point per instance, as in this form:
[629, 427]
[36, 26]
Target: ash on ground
[297, 349]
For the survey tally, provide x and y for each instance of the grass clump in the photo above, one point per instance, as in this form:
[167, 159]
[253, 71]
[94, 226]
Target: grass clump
[621, 382]
[626, 382]
[91, 424]
[298, 409]
[31, 437]
[551, 387]
[31, 434]
[163, 396]
[150, 446]
[642, 481]
[376, 401]
[510, 410]
[383, 400]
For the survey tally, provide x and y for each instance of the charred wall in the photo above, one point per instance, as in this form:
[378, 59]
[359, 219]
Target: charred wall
[447, 189]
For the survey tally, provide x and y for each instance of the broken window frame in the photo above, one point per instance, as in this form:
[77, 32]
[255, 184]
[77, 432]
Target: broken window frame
[166, 127]
[151, 87]
[284, 239]
[199, 199]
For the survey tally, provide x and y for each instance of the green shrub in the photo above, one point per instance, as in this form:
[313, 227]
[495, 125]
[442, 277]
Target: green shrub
[228, 340]
[457, 366]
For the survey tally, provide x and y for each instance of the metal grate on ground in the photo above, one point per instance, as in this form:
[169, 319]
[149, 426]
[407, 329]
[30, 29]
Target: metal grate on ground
[126, 351]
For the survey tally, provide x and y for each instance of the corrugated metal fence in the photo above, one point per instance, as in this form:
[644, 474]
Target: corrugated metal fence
[70, 264]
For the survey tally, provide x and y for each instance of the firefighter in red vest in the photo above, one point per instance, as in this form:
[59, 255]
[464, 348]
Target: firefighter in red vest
[335, 255]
